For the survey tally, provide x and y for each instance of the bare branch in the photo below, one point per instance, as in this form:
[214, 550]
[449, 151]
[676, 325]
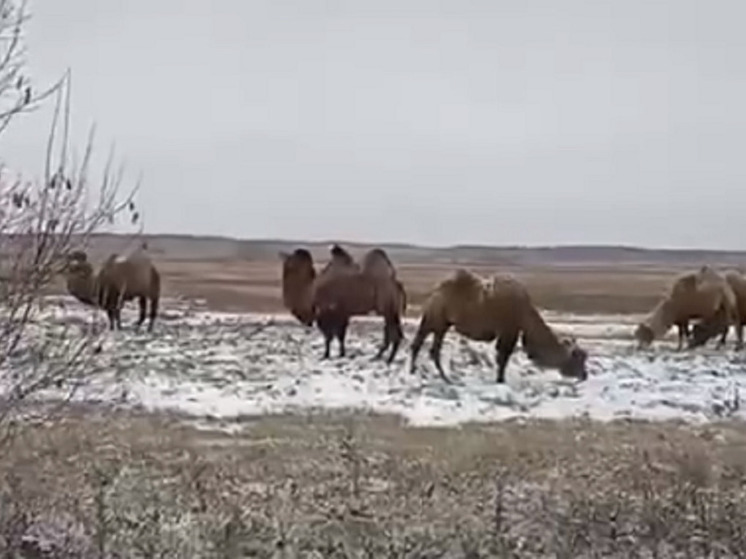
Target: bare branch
[40, 223]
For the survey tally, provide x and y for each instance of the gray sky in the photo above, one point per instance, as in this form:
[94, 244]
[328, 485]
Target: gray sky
[441, 122]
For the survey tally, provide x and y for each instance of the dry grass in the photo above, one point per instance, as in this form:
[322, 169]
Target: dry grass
[234, 285]
[115, 485]
[244, 275]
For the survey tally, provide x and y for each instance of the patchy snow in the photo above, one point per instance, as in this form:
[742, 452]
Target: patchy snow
[223, 365]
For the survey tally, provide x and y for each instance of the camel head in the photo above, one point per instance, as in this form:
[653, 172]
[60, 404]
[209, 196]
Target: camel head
[79, 276]
[76, 263]
[573, 365]
[298, 275]
[644, 335]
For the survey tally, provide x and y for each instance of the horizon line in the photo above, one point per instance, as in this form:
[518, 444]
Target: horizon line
[404, 244]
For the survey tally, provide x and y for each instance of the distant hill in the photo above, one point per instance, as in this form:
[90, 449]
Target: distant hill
[187, 247]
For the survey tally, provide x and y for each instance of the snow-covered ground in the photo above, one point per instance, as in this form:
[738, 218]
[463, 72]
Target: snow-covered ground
[217, 365]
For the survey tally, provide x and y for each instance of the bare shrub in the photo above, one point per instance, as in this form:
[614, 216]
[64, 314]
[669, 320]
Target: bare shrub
[41, 220]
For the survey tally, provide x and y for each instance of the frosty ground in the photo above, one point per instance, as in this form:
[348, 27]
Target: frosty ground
[222, 367]
[276, 459]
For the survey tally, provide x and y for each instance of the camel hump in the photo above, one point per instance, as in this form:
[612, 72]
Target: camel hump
[137, 258]
[686, 282]
[464, 284]
[377, 263]
[341, 261]
[707, 273]
[690, 283]
[340, 255]
[464, 289]
[302, 253]
[300, 257]
[735, 278]
[507, 284]
[709, 277]
[134, 268]
[700, 292]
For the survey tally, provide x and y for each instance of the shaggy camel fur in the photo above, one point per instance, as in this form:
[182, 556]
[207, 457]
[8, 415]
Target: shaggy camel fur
[718, 324]
[340, 291]
[694, 295]
[496, 308]
[120, 279]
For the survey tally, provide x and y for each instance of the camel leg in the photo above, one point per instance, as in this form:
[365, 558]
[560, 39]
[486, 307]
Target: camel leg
[153, 312]
[341, 334]
[724, 335]
[325, 323]
[423, 331]
[386, 340]
[118, 312]
[327, 344]
[111, 314]
[683, 333]
[724, 328]
[505, 347]
[435, 351]
[739, 334]
[396, 335]
[328, 336]
[143, 303]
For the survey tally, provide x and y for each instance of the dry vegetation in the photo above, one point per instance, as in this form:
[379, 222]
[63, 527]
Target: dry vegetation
[254, 285]
[98, 484]
[113, 485]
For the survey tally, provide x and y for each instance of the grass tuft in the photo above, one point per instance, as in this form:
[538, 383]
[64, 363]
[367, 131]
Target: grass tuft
[120, 485]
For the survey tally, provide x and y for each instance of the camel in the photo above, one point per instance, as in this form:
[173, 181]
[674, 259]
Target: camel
[498, 308]
[694, 295]
[340, 291]
[120, 279]
[718, 324]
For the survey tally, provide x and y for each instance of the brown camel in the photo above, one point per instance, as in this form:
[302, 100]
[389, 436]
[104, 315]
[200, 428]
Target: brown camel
[702, 294]
[718, 323]
[498, 308]
[340, 291]
[120, 279]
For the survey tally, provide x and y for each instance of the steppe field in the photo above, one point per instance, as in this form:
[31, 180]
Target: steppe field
[223, 433]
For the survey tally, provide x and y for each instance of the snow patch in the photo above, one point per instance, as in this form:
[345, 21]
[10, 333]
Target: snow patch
[228, 365]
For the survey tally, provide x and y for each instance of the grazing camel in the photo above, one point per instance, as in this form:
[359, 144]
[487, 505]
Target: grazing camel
[498, 308]
[694, 295]
[718, 323]
[340, 291]
[120, 279]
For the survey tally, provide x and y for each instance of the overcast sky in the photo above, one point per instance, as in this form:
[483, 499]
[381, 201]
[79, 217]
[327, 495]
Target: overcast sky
[439, 122]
